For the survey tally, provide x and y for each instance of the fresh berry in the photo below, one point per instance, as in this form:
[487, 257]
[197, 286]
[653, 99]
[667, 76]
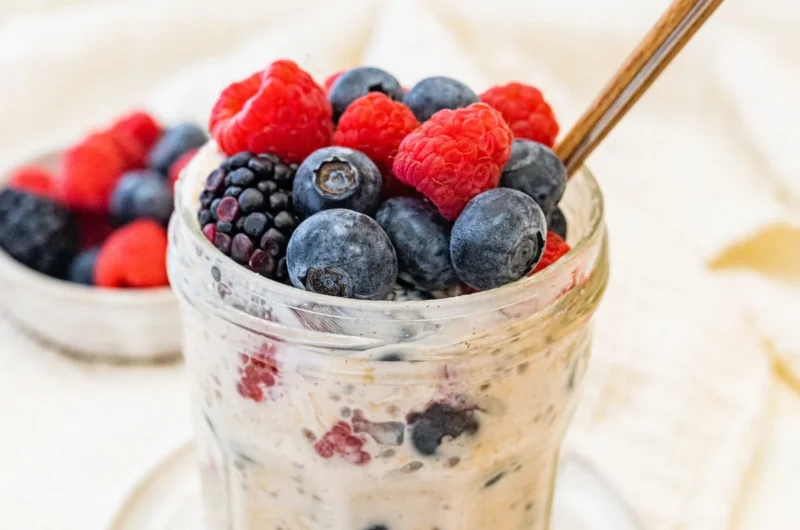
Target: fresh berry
[176, 168]
[331, 79]
[554, 249]
[246, 211]
[336, 177]
[433, 94]
[375, 125]
[33, 179]
[535, 169]
[358, 82]
[429, 427]
[89, 172]
[141, 194]
[497, 239]
[93, 229]
[141, 126]
[454, 156]
[341, 441]
[421, 238]
[258, 372]
[342, 253]
[37, 231]
[133, 256]
[81, 270]
[175, 142]
[525, 110]
[280, 110]
[557, 223]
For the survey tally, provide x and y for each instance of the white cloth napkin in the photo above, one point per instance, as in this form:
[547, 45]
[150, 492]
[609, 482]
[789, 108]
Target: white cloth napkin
[677, 386]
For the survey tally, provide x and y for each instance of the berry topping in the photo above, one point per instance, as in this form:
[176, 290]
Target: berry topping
[433, 94]
[535, 169]
[429, 427]
[375, 125]
[497, 239]
[81, 270]
[246, 211]
[280, 110]
[454, 156]
[340, 441]
[175, 142]
[139, 126]
[331, 79]
[421, 238]
[525, 110]
[133, 256]
[258, 372]
[554, 249]
[176, 168]
[93, 229]
[89, 172]
[142, 194]
[33, 179]
[342, 253]
[358, 82]
[557, 223]
[37, 232]
[336, 177]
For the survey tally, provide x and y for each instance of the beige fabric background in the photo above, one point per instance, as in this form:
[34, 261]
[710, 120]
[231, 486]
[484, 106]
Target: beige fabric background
[683, 410]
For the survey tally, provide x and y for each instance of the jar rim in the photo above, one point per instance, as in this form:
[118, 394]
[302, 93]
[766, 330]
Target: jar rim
[187, 191]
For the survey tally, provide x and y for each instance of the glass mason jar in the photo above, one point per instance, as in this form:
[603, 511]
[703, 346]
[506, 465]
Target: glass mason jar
[320, 413]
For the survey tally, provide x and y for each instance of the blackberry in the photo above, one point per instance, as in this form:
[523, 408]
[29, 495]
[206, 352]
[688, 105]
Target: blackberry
[37, 232]
[246, 211]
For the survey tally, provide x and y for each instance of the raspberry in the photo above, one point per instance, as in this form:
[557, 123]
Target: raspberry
[554, 248]
[176, 168]
[375, 125]
[455, 156]
[341, 441]
[89, 172]
[280, 110]
[331, 80]
[134, 256]
[135, 134]
[259, 371]
[35, 180]
[525, 110]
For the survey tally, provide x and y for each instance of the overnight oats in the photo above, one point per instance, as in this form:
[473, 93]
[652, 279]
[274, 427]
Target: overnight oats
[380, 329]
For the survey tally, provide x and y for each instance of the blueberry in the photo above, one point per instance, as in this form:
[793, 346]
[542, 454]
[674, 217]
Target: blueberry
[433, 94]
[342, 253]
[497, 239]
[336, 177]
[175, 141]
[81, 270]
[557, 223]
[421, 238]
[429, 427]
[141, 194]
[535, 169]
[357, 82]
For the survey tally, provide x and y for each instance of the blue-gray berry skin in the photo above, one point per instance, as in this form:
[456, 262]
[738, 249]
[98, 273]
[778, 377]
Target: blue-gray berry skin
[141, 195]
[336, 177]
[535, 170]
[556, 222]
[433, 94]
[358, 82]
[342, 253]
[421, 238]
[81, 270]
[173, 143]
[497, 239]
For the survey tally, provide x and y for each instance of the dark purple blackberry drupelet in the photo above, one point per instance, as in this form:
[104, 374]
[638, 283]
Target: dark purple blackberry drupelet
[37, 232]
[246, 211]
